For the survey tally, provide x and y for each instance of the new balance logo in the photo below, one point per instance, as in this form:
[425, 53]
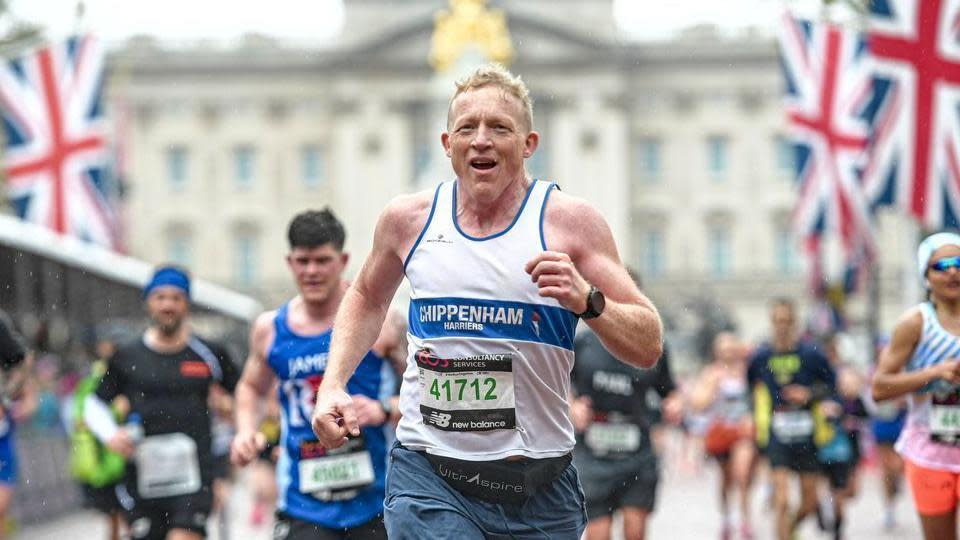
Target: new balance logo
[439, 419]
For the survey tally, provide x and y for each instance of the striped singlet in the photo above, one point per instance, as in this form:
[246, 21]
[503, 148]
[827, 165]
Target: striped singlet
[916, 441]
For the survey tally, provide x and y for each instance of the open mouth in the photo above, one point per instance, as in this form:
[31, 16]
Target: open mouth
[483, 164]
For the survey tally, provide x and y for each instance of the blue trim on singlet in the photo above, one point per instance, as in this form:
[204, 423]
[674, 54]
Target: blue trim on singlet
[538, 323]
[423, 231]
[543, 208]
[8, 455]
[456, 223]
[300, 362]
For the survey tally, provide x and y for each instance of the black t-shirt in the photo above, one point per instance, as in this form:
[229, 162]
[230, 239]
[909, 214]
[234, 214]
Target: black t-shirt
[615, 387]
[169, 391]
[12, 351]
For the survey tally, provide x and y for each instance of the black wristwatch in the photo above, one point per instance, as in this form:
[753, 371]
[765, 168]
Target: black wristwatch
[595, 304]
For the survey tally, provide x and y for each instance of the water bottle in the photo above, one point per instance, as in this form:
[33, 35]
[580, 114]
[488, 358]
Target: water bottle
[134, 427]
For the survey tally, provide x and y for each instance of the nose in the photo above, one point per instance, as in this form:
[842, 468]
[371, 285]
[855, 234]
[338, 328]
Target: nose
[481, 139]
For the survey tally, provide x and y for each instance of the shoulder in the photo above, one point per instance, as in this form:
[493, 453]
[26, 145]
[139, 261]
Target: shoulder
[408, 213]
[264, 322]
[761, 353]
[576, 227]
[909, 327]
[215, 347]
[565, 211]
[262, 331]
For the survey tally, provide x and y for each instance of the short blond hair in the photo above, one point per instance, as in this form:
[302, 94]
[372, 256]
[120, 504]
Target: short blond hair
[494, 74]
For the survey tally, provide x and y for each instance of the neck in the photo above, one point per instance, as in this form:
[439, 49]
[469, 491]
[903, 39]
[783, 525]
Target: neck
[325, 311]
[784, 344]
[166, 343]
[485, 209]
[950, 308]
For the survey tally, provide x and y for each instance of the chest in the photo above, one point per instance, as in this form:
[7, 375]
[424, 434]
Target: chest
[186, 375]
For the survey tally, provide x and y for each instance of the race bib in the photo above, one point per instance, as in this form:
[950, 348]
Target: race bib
[612, 438]
[335, 474]
[945, 417]
[791, 427]
[474, 393]
[167, 466]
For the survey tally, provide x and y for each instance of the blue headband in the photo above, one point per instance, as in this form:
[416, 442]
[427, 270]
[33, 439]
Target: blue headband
[168, 276]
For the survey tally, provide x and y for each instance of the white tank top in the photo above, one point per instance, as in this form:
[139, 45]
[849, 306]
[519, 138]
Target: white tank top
[488, 369]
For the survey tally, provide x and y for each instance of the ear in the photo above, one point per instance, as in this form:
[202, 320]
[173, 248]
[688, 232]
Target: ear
[530, 144]
[344, 259]
[445, 141]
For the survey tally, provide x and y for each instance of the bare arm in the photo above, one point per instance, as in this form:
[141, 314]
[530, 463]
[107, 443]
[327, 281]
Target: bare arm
[583, 253]
[253, 388]
[360, 318]
[890, 380]
[704, 391]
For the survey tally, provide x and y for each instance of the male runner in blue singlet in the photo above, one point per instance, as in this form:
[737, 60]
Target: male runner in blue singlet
[323, 494]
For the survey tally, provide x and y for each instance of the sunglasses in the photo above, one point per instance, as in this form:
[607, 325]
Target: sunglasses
[945, 264]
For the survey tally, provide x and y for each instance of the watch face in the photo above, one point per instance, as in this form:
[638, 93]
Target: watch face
[597, 301]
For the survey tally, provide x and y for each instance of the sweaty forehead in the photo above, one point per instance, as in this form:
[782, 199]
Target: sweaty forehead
[945, 251]
[486, 100]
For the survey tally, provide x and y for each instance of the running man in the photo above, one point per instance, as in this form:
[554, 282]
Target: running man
[323, 494]
[790, 381]
[615, 455]
[166, 376]
[921, 362]
[500, 268]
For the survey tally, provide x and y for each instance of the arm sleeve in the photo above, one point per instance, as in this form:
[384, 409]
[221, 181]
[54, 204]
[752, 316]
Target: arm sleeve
[231, 374]
[665, 382]
[111, 383]
[99, 418]
[12, 351]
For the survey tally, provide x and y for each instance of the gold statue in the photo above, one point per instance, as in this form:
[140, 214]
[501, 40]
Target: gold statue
[469, 22]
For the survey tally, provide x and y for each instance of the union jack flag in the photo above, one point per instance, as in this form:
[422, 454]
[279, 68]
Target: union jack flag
[826, 85]
[915, 109]
[57, 156]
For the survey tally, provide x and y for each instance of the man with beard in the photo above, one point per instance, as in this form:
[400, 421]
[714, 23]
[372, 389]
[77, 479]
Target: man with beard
[324, 495]
[166, 375]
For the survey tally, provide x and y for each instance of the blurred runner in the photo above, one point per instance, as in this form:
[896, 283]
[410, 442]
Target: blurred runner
[18, 400]
[721, 393]
[322, 494]
[790, 379]
[840, 455]
[166, 374]
[613, 417]
[97, 468]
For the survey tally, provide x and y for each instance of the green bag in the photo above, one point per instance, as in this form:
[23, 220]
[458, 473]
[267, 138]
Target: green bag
[91, 462]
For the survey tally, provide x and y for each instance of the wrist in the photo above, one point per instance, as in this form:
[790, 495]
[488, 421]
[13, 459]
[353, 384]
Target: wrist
[387, 406]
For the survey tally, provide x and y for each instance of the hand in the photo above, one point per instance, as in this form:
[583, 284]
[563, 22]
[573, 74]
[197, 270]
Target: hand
[334, 417]
[831, 409]
[672, 409]
[796, 394]
[948, 370]
[581, 413]
[121, 444]
[369, 411]
[246, 446]
[557, 278]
